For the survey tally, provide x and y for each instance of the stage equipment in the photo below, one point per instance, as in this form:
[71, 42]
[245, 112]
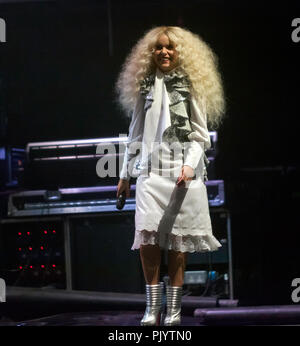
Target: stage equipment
[67, 201]
[86, 200]
[32, 253]
[91, 252]
[93, 237]
[62, 164]
[12, 161]
[73, 163]
[73, 252]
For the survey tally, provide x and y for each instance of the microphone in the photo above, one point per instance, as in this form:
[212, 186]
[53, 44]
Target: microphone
[121, 201]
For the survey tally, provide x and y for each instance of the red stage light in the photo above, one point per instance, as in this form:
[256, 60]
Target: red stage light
[42, 266]
[30, 248]
[42, 247]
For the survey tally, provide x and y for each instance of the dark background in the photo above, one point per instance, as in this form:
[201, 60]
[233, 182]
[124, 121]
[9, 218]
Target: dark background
[58, 69]
[60, 63]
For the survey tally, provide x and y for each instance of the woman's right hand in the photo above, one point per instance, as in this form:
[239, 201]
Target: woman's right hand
[123, 185]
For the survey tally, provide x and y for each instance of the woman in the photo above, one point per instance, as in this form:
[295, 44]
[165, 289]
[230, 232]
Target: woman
[171, 88]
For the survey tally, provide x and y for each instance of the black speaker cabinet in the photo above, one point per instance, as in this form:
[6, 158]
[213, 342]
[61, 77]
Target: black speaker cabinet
[90, 252]
[32, 252]
[101, 255]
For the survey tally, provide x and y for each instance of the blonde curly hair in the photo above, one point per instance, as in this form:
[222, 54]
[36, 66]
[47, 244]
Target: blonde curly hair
[195, 59]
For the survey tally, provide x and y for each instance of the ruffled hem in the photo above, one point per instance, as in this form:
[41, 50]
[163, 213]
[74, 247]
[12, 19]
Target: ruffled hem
[177, 242]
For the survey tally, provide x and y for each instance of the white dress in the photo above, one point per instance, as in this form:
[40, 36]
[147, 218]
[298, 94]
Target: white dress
[175, 217]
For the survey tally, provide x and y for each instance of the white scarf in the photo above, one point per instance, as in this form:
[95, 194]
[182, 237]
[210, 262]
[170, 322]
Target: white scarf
[157, 118]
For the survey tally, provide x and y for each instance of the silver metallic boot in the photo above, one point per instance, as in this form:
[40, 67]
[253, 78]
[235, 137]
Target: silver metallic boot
[153, 313]
[173, 317]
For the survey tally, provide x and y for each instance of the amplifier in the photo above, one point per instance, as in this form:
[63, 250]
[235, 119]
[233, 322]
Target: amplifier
[32, 253]
[88, 252]
[215, 192]
[67, 201]
[86, 200]
[71, 163]
[77, 160]
[12, 160]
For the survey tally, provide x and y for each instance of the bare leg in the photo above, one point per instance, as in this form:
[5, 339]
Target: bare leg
[151, 258]
[176, 267]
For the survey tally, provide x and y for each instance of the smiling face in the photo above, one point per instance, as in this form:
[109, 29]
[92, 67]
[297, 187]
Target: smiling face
[165, 55]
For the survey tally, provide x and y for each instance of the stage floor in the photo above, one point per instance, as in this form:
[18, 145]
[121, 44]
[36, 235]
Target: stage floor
[50, 307]
[103, 318]
[249, 316]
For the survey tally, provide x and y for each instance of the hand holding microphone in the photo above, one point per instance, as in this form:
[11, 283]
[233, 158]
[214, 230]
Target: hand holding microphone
[121, 201]
[123, 192]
